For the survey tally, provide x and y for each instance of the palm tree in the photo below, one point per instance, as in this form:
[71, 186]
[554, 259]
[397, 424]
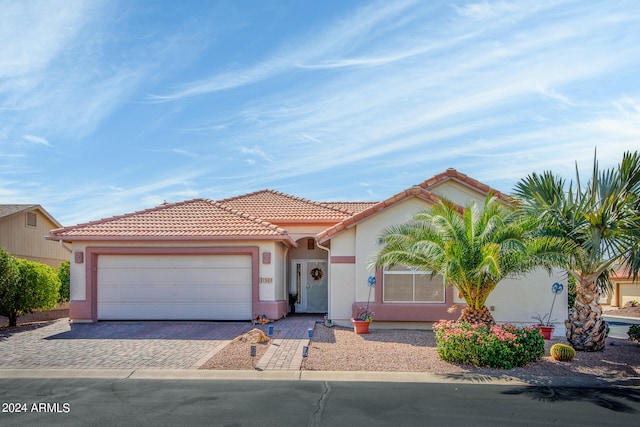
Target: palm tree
[602, 219]
[472, 250]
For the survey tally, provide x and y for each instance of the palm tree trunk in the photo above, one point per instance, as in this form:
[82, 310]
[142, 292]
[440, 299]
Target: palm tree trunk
[586, 330]
[469, 315]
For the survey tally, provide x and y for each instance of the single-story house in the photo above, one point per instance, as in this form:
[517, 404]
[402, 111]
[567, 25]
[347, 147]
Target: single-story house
[23, 228]
[242, 257]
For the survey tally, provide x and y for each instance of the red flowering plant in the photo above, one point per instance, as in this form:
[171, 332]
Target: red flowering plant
[498, 346]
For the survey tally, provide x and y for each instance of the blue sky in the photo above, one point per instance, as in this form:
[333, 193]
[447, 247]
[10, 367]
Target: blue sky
[109, 107]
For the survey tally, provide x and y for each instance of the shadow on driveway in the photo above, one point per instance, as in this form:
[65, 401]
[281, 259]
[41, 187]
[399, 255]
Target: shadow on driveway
[154, 330]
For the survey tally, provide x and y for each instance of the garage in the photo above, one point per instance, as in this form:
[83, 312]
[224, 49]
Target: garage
[174, 287]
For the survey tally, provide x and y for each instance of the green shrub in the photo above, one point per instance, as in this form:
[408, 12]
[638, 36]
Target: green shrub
[499, 346]
[562, 352]
[37, 288]
[64, 274]
[634, 333]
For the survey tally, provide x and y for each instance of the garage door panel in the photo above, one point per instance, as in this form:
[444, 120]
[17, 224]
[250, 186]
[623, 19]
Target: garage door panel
[171, 276]
[139, 287]
[172, 311]
[173, 261]
[168, 293]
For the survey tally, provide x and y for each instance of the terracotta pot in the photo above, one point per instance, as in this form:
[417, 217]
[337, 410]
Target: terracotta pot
[546, 331]
[360, 326]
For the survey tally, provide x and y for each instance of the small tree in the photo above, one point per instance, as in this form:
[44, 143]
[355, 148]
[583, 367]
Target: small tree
[37, 287]
[64, 274]
[8, 277]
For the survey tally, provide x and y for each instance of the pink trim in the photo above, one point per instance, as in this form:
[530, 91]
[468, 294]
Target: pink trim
[88, 309]
[79, 310]
[273, 309]
[409, 312]
[343, 259]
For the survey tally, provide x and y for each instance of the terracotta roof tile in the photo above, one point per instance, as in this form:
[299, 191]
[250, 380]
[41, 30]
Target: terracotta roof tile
[452, 174]
[197, 218]
[380, 206]
[352, 207]
[277, 207]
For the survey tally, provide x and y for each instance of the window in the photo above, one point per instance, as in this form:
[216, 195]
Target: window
[32, 219]
[405, 285]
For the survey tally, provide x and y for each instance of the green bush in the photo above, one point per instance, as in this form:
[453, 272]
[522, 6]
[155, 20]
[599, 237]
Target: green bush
[37, 288]
[499, 346]
[64, 274]
[634, 333]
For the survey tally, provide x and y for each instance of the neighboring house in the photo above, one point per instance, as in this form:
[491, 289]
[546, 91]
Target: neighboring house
[241, 257]
[23, 229]
[625, 289]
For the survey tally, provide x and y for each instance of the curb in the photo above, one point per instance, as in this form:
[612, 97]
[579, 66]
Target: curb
[314, 376]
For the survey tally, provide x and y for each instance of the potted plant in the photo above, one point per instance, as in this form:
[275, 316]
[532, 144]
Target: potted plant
[545, 323]
[293, 299]
[364, 316]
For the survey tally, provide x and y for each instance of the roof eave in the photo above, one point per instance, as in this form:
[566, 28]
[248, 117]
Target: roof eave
[287, 240]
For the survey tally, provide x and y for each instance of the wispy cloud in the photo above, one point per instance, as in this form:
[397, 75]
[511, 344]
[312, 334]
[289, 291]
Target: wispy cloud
[345, 36]
[36, 139]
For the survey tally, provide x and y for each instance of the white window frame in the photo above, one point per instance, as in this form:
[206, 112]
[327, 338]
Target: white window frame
[413, 273]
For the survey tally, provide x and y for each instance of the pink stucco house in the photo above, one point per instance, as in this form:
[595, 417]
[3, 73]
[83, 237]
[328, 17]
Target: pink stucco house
[237, 258]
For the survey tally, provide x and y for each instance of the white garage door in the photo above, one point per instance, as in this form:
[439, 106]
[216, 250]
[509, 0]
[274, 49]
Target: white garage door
[174, 287]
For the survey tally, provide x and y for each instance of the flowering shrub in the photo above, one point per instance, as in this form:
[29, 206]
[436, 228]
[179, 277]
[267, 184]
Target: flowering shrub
[498, 346]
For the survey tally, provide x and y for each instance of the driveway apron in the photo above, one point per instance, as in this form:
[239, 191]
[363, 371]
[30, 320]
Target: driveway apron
[143, 345]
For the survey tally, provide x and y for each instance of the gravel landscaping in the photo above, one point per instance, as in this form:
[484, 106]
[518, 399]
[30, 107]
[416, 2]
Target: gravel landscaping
[340, 349]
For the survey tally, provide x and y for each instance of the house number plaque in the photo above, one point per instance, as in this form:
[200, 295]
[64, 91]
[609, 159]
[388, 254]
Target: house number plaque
[266, 280]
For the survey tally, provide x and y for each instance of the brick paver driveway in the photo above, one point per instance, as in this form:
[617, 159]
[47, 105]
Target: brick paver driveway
[114, 345]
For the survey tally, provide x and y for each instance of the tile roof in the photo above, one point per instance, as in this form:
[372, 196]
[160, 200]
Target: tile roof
[191, 219]
[350, 222]
[281, 208]
[452, 174]
[352, 207]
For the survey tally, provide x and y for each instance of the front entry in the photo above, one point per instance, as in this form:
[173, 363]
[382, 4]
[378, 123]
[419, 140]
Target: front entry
[309, 281]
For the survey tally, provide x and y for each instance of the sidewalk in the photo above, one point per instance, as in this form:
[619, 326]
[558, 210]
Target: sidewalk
[290, 336]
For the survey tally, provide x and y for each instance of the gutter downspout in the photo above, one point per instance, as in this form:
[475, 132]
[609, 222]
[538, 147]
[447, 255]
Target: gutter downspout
[64, 246]
[285, 273]
[328, 278]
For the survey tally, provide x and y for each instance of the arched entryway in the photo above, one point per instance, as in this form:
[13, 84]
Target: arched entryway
[308, 278]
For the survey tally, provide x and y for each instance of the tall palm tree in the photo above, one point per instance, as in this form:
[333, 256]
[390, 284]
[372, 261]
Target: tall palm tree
[602, 219]
[473, 250]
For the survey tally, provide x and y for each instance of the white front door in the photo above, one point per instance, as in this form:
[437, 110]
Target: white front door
[310, 282]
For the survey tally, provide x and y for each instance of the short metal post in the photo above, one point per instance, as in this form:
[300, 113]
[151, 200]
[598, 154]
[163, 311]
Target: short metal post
[253, 356]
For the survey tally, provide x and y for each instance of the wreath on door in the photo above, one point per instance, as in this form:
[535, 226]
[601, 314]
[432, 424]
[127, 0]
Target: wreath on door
[316, 274]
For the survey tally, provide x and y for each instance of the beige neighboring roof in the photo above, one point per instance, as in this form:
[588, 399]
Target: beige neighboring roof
[10, 210]
[196, 219]
[452, 174]
[281, 208]
[352, 221]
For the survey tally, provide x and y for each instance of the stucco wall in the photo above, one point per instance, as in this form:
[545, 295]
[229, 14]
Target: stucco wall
[270, 291]
[458, 193]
